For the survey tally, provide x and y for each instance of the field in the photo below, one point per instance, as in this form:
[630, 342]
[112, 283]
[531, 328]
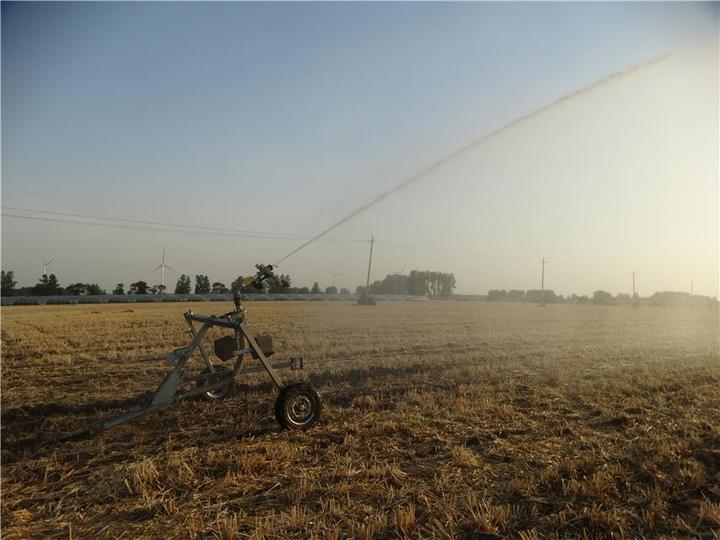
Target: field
[441, 419]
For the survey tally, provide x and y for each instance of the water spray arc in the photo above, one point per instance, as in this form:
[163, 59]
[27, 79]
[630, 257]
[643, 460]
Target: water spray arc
[472, 144]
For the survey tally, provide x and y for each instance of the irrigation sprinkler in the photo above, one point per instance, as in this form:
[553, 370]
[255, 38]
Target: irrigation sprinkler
[297, 405]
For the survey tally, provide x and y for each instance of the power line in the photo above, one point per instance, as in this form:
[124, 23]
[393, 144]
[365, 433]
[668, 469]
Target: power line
[148, 228]
[142, 225]
[144, 222]
[200, 230]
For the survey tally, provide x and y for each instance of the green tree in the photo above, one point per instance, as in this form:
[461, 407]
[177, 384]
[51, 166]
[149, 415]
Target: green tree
[447, 284]
[47, 286]
[417, 283]
[202, 284]
[497, 295]
[392, 284]
[219, 288]
[516, 295]
[119, 289]
[280, 284]
[139, 287]
[421, 282]
[77, 289]
[315, 288]
[183, 285]
[7, 283]
[94, 289]
[624, 298]
[434, 283]
[602, 297]
[537, 296]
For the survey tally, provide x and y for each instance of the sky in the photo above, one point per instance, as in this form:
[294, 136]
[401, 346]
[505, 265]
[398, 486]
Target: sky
[286, 117]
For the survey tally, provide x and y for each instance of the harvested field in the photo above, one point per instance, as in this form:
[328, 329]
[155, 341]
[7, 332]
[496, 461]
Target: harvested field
[441, 419]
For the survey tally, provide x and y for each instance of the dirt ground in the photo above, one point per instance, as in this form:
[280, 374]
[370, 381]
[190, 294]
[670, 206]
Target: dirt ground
[442, 419]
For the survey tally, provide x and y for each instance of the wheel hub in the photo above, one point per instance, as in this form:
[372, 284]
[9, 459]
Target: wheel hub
[300, 409]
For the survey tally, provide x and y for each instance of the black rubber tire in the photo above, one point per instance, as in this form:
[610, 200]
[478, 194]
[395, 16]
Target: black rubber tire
[298, 407]
[218, 393]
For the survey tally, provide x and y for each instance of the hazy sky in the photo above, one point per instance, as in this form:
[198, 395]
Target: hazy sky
[286, 117]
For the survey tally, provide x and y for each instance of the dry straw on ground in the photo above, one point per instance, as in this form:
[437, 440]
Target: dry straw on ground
[442, 419]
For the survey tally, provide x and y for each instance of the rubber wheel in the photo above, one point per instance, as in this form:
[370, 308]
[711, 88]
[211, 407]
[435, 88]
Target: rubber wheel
[208, 377]
[298, 406]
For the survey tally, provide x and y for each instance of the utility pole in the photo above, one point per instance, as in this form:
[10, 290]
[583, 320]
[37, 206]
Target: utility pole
[367, 282]
[635, 297]
[542, 283]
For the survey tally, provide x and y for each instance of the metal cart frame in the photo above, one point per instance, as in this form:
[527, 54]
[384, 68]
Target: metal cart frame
[297, 406]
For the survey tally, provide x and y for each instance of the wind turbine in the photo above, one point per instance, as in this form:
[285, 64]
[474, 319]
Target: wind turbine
[46, 264]
[162, 266]
[334, 276]
[400, 271]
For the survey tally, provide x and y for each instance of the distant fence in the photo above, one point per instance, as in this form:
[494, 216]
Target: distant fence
[147, 298]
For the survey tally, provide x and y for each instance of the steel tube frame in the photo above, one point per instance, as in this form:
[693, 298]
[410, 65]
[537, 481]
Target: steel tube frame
[167, 394]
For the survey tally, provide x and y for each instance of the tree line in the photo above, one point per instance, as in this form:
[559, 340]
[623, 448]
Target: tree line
[601, 297]
[548, 296]
[48, 285]
[417, 282]
[517, 295]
